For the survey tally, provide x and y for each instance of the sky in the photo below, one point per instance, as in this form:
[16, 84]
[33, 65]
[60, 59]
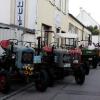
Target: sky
[90, 6]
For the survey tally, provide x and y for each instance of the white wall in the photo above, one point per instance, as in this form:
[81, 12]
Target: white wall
[5, 11]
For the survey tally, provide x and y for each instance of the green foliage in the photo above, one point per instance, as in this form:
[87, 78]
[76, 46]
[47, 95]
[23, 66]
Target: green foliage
[94, 30]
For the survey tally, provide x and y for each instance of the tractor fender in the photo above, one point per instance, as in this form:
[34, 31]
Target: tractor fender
[3, 72]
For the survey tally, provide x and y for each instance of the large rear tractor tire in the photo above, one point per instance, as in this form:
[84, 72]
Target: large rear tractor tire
[51, 78]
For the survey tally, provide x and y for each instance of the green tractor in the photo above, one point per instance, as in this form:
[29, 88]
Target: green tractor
[90, 57]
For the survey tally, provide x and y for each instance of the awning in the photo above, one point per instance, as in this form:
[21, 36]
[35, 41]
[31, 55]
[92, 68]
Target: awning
[66, 35]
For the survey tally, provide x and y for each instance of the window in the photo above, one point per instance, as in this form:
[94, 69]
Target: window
[58, 4]
[63, 6]
[70, 42]
[76, 30]
[71, 28]
[47, 32]
[27, 57]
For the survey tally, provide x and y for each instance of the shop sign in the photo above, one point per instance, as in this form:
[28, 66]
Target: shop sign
[20, 12]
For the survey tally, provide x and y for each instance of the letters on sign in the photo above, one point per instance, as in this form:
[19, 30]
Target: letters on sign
[20, 12]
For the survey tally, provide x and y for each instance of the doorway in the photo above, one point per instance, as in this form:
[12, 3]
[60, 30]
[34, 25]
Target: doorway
[46, 34]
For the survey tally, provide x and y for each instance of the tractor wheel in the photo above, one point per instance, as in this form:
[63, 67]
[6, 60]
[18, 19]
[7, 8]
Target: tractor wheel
[86, 68]
[94, 66]
[94, 63]
[80, 77]
[4, 86]
[87, 71]
[51, 77]
[42, 82]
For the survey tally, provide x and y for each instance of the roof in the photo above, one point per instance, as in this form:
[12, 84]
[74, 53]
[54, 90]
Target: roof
[89, 16]
[78, 21]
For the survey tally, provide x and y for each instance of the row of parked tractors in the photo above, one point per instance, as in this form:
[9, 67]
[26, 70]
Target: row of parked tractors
[43, 65]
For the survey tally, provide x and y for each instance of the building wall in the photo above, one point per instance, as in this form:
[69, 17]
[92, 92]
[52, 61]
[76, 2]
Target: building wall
[5, 11]
[35, 13]
[52, 14]
[82, 32]
[12, 12]
[76, 24]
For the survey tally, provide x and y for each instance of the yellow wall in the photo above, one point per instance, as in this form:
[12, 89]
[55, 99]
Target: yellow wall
[46, 15]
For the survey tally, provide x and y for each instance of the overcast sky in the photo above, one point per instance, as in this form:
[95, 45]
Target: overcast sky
[91, 6]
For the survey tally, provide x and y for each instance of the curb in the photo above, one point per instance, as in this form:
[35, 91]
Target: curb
[16, 92]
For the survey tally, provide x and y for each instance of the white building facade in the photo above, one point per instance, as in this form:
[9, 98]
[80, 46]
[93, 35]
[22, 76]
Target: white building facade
[40, 15]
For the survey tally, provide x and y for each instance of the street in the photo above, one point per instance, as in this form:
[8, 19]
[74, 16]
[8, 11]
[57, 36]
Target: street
[64, 90]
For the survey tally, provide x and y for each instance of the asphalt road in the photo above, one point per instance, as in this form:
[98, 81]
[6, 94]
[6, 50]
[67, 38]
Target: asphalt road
[64, 90]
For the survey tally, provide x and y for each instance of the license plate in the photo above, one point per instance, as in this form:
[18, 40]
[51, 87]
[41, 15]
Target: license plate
[67, 65]
[90, 59]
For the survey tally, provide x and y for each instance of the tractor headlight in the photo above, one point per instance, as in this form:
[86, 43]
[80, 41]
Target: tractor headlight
[75, 61]
[28, 69]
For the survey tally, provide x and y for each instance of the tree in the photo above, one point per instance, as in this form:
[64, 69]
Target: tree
[94, 30]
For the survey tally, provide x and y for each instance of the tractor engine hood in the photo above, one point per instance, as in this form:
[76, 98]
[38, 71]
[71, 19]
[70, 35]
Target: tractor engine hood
[47, 49]
[75, 51]
[91, 47]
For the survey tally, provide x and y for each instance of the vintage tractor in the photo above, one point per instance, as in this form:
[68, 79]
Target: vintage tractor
[64, 62]
[90, 57]
[21, 62]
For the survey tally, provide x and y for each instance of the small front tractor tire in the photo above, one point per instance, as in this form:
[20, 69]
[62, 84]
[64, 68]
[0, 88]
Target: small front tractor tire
[80, 76]
[41, 83]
